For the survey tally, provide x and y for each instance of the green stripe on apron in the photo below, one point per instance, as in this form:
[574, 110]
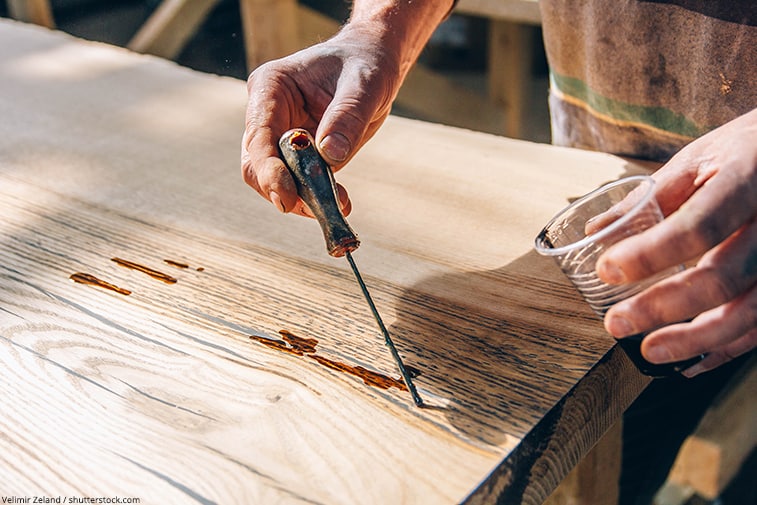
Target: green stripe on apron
[633, 115]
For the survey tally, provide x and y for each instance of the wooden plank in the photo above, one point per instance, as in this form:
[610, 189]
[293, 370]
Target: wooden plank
[711, 456]
[596, 478]
[511, 47]
[270, 29]
[181, 394]
[32, 11]
[170, 27]
[314, 27]
[171, 369]
[510, 60]
[431, 96]
[517, 11]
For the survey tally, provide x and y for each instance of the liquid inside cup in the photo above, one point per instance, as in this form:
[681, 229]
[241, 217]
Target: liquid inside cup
[579, 234]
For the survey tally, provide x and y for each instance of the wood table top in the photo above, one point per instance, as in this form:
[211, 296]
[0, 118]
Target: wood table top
[226, 358]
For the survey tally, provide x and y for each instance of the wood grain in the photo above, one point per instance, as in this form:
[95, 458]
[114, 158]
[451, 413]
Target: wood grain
[173, 367]
[596, 478]
[162, 394]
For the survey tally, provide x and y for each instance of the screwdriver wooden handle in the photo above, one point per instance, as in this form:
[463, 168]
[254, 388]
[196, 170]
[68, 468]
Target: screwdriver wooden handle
[317, 188]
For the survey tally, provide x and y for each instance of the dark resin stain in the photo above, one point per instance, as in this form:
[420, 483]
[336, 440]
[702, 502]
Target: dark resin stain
[91, 280]
[182, 265]
[304, 345]
[291, 343]
[176, 264]
[149, 271]
[369, 377]
[299, 346]
[279, 345]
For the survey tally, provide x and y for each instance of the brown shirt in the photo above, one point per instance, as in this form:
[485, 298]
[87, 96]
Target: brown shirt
[644, 78]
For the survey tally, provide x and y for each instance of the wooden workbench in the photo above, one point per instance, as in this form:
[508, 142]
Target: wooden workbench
[187, 390]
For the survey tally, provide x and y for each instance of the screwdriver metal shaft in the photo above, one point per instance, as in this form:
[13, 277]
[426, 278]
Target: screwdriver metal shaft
[317, 188]
[387, 339]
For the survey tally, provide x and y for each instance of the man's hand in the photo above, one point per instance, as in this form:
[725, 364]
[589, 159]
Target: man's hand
[341, 91]
[708, 192]
[336, 90]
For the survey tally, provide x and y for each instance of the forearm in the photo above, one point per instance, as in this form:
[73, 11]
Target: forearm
[403, 26]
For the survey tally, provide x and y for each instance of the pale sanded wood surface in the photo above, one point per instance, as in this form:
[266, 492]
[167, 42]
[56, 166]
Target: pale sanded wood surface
[162, 394]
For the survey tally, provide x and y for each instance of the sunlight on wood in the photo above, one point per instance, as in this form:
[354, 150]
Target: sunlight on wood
[190, 390]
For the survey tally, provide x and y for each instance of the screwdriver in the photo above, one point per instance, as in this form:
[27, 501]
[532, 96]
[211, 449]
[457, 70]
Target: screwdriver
[317, 188]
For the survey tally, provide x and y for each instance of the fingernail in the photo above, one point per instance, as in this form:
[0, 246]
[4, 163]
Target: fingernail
[589, 222]
[611, 273]
[693, 371]
[336, 146]
[276, 201]
[620, 327]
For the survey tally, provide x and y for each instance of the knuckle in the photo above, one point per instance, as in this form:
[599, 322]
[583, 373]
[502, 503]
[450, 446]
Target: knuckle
[748, 343]
[709, 232]
[647, 263]
[719, 286]
[749, 313]
[698, 230]
[260, 73]
[728, 353]
[739, 347]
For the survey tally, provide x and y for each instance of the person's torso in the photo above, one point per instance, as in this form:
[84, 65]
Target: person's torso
[644, 78]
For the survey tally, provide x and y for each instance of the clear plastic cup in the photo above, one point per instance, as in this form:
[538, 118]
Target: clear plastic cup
[579, 234]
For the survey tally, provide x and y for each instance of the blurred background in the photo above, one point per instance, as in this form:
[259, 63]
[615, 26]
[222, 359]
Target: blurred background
[454, 82]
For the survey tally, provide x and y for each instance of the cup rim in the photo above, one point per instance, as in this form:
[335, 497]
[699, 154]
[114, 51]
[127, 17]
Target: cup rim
[558, 251]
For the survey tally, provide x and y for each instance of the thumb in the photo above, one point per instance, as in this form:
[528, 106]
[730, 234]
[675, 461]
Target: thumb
[346, 122]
